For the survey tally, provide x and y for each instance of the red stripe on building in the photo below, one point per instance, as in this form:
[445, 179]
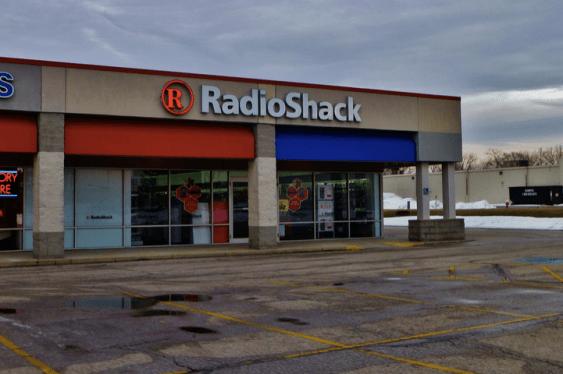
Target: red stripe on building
[18, 134]
[157, 139]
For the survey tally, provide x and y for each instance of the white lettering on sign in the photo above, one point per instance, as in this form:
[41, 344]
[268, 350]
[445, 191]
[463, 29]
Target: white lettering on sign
[295, 105]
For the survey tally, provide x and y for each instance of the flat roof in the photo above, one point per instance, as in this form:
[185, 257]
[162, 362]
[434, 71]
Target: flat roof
[218, 77]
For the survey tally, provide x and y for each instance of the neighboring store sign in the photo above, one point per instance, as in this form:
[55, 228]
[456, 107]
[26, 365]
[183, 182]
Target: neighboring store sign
[296, 194]
[177, 97]
[6, 88]
[188, 194]
[8, 183]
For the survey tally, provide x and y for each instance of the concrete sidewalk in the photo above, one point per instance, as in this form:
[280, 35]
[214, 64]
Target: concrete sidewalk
[397, 237]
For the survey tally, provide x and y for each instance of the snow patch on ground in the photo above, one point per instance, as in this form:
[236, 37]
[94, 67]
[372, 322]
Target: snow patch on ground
[392, 201]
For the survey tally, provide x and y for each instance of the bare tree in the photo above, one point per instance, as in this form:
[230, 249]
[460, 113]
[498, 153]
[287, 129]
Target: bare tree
[469, 161]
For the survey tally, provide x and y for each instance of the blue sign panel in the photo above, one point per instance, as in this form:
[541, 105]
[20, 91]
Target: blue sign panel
[327, 144]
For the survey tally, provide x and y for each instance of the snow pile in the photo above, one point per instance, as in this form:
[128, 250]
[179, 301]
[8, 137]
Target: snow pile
[392, 201]
[483, 204]
[493, 222]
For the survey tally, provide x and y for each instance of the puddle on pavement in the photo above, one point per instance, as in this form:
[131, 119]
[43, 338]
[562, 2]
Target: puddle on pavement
[135, 302]
[182, 297]
[156, 312]
[114, 303]
[197, 330]
[294, 321]
[8, 310]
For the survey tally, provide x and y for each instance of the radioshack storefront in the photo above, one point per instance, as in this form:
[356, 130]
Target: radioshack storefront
[99, 157]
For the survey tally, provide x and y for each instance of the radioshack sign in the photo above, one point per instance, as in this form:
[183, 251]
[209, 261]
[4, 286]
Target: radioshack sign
[177, 98]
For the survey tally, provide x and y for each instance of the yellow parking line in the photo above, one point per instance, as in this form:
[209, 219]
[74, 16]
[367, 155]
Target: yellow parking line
[308, 337]
[552, 273]
[418, 336]
[405, 300]
[423, 364]
[223, 316]
[32, 360]
[403, 244]
[533, 284]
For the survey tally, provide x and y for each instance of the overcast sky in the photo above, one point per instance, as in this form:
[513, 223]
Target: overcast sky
[504, 58]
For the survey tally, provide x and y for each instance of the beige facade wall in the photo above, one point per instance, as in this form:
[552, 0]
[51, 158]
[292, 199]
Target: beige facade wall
[476, 185]
[96, 92]
[439, 115]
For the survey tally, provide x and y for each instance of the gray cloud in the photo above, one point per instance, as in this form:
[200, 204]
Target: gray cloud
[470, 48]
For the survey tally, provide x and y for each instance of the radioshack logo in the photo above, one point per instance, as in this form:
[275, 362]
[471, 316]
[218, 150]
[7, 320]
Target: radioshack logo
[177, 97]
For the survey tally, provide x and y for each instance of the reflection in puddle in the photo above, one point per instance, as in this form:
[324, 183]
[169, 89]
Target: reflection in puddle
[114, 303]
[182, 297]
[294, 321]
[135, 302]
[156, 312]
[198, 330]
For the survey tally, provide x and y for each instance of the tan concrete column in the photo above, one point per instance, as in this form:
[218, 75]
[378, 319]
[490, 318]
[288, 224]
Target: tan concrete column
[422, 191]
[262, 189]
[448, 189]
[48, 187]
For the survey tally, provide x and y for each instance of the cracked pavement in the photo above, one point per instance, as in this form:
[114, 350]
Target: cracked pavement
[452, 307]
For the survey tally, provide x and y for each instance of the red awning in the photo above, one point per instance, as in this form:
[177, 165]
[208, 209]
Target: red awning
[18, 134]
[157, 139]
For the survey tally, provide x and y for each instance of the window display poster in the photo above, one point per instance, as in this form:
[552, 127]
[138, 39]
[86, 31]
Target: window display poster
[325, 204]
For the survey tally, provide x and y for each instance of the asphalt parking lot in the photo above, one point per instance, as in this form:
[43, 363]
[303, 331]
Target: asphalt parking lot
[471, 307]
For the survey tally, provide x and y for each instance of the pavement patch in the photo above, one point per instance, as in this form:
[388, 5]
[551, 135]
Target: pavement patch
[95, 367]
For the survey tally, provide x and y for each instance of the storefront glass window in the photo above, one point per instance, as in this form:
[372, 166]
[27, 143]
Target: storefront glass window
[190, 196]
[99, 203]
[332, 205]
[346, 205]
[296, 205]
[190, 199]
[363, 196]
[11, 208]
[220, 207]
[149, 197]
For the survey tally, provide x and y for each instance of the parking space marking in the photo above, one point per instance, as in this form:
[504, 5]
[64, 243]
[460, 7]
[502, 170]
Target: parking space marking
[32, 360]
[545, 268]
[452, 272]
[533, 284]
[223, 316]
[418, 336]
[404, 300]
[423, 364]
[319, 340]
[403, 244]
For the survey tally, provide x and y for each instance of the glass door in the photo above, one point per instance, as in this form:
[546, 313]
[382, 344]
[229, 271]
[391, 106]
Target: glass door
[238, 196]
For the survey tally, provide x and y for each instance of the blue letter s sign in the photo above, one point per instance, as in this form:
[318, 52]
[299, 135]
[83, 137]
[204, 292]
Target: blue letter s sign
[6, 89]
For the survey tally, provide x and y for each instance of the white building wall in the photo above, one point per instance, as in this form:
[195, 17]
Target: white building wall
[475, 185]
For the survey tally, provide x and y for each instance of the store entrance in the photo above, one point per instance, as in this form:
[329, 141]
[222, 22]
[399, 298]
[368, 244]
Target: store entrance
[238, 197]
